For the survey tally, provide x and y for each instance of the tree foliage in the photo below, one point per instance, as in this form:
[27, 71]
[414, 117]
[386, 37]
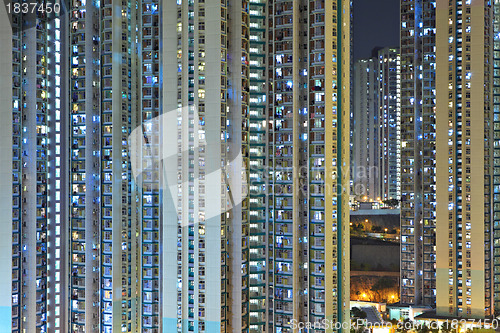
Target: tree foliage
[358, 313]
[391, 202]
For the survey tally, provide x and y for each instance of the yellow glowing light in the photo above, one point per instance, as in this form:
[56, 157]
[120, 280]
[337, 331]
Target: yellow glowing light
[364, 295]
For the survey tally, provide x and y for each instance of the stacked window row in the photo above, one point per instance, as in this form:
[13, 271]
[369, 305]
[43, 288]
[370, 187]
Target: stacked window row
[258, 228]
[150, 100]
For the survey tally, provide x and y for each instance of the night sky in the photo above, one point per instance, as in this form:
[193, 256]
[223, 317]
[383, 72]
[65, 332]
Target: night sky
[375, 23]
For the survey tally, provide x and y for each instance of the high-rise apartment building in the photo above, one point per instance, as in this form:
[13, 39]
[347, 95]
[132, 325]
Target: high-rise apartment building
[147, 206]
[205, 268]
[309, 161]
[76, 214]
[102, 98]
[366, 134]
[72, 190]
[259, 291]
[37, 211]
[464, 156]
[390, 122]
[375, 136]
[177, 167]
[418, 178]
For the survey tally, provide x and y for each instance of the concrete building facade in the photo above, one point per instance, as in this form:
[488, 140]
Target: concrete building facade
[418, 152]
[366, 136]
[464, 155]
[178, 166]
